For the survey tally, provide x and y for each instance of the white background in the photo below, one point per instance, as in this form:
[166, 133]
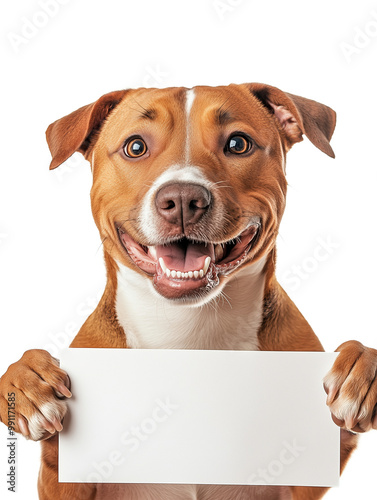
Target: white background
[50, 256]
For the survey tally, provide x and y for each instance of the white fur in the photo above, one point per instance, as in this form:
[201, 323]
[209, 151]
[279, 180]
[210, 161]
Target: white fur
[190, 97]
[342, 407]
[229, 321]
[36, 427]
[345, 408]
[56, 409]
[331, 379]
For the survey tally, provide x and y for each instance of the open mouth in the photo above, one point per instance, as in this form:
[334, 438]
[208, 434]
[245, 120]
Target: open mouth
[185, 266]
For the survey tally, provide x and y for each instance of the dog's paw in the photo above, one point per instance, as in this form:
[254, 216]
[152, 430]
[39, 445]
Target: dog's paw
[37, 387]
[351, 387]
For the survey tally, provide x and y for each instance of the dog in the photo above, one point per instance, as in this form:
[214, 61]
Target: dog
[189, 189]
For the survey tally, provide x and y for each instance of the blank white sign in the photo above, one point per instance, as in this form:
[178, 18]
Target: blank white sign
[198, 417]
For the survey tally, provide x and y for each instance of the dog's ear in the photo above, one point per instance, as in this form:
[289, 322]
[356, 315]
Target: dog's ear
[73, 132]
[298, 116]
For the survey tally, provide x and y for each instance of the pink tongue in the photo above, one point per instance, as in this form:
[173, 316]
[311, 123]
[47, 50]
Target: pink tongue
[185, 256]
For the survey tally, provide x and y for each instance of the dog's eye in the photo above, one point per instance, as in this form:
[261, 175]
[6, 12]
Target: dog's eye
[135, 147]
[238, 144]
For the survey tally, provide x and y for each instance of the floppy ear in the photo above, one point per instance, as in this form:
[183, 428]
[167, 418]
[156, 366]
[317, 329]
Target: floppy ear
[73, 132]
[298, 115]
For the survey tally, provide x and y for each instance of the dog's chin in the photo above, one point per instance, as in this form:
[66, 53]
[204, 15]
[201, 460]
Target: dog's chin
[188, 270]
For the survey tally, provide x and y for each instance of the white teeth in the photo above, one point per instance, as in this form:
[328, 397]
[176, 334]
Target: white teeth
[162, 264]
[207, 262]
[152, 252]
[184, 275]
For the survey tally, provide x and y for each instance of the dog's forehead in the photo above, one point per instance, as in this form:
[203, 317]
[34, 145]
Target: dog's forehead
[222, 103]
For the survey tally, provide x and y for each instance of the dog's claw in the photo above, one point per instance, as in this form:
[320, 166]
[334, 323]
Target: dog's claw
[64, 390]
[57, 425]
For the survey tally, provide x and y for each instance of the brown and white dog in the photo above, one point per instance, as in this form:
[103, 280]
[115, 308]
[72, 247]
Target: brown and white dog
[189, 189]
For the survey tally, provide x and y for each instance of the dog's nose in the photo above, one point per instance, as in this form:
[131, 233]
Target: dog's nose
[182, 204]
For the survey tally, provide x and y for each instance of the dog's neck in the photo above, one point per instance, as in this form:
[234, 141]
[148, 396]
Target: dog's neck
[228, 321]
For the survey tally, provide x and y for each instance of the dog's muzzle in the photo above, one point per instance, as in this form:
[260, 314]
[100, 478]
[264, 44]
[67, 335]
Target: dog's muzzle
[185, 262]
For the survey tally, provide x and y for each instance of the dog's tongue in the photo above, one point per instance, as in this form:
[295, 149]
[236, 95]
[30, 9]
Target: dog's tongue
[185, 256]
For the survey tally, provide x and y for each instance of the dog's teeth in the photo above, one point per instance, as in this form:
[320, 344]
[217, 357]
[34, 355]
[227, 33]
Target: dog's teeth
[207, 262]
[162, 264]
[185, 275]
[152, 252]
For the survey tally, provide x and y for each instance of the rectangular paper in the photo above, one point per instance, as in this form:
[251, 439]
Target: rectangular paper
[198, 417]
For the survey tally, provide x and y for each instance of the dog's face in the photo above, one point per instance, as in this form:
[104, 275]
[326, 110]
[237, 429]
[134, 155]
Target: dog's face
[189, 186]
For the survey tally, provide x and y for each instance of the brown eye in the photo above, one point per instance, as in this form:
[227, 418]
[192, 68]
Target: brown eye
[135, 147]
[238, 145]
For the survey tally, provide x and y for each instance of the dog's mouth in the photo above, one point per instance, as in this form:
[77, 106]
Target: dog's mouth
[184, 267]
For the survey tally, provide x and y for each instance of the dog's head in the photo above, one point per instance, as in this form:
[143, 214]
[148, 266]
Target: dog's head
[189, 186]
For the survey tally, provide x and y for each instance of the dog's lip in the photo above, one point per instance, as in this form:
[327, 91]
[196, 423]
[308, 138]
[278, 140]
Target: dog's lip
[212, 258]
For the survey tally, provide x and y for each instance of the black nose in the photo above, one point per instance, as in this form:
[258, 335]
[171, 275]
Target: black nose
[182, 204]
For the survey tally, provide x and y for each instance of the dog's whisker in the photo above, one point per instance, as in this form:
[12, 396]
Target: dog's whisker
[101, 244]
[225, 297]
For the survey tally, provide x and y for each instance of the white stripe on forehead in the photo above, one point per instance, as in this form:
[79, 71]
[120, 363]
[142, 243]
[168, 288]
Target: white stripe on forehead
[190, 97]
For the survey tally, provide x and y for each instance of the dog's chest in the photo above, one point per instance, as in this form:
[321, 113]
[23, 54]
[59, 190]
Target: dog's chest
[229, 321]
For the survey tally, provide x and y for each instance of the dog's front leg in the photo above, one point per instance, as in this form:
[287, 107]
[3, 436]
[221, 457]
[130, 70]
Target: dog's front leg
[32, 393]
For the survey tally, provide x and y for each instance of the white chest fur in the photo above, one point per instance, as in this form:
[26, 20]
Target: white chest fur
[229, 321]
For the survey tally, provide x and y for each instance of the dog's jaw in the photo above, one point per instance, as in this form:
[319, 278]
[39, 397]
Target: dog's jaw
[188, 269]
